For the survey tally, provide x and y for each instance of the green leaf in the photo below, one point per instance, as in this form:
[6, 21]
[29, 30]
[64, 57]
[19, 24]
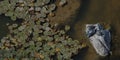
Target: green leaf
[67, 27]
[13, 18]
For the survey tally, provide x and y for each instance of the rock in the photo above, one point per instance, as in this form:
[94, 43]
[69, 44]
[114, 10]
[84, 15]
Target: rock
[99, 38]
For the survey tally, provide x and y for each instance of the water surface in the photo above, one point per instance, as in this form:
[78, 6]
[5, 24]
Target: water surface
[105, 12]
[90, 11]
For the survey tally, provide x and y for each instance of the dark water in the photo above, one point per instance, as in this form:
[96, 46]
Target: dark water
[91, 11]
[3, 24]
[3, 28]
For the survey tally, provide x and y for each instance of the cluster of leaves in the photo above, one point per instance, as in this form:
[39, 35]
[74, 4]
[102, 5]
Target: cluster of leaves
[26, 8]
[35, 38]
[40, 40]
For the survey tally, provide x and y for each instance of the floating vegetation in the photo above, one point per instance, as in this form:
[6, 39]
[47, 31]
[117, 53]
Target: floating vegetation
[67, 27]
[35, 37]
[46, 43]
[26, 8]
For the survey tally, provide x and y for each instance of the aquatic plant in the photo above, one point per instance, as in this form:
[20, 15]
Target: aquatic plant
[35, 38]
[25, 8]
[29, 41]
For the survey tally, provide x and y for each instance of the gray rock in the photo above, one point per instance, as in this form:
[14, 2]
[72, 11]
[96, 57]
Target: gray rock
[99, 38]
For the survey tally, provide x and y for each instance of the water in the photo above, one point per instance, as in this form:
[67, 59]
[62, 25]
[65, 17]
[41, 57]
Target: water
[3, 27]
[90, 11]
[97, 11]
[3, 24]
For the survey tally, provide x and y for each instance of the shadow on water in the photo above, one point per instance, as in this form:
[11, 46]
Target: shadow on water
[109, 58]
[3, 27]
[79, 15]
[81, 11]
[81, 54]
[115, 58]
